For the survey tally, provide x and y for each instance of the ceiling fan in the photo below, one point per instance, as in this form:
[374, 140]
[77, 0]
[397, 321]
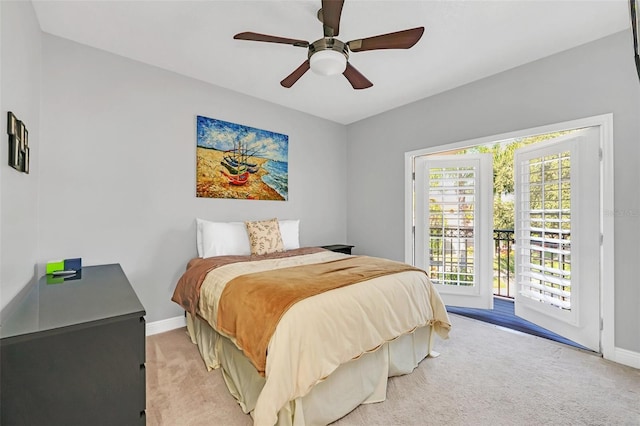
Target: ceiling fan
[330, 56]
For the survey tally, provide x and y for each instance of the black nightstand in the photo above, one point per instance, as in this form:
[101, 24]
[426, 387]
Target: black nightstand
[340, 248]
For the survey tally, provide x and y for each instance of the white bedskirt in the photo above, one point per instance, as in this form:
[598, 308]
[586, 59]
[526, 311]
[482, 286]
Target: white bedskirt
[360, 381]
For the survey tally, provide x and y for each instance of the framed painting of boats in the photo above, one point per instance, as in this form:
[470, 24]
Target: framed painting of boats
[241, 162]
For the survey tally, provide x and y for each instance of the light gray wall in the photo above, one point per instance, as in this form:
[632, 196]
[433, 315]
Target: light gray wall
[20, 81]
[589, 80]
[118, 167]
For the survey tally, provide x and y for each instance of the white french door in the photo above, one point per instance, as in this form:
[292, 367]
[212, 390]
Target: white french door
[557, 232]
[454, 226]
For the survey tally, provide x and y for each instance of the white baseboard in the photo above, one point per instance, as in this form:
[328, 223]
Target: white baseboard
[165, 325]
[626, 357]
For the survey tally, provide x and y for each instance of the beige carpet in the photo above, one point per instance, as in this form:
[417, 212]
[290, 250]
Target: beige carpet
[484, 376]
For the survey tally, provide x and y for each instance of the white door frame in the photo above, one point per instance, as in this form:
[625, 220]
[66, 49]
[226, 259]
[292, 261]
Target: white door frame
[605, 124]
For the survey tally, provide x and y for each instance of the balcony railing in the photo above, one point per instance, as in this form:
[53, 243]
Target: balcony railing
[503, 263]
[451, 258]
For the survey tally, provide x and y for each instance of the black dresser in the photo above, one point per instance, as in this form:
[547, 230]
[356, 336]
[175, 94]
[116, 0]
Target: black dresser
[72, 353]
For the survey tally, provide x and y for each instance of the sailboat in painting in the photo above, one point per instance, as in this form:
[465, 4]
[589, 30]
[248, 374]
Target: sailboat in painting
[238, 169]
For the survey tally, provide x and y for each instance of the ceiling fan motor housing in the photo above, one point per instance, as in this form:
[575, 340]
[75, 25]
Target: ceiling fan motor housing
[328, 56]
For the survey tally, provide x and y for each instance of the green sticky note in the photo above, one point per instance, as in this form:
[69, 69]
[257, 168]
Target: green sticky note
[55, 265]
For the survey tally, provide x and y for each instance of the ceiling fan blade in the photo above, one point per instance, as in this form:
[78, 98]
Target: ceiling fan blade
[295, 75]
[331, 11]
[357, 80]
[270, 39]
[398, 40]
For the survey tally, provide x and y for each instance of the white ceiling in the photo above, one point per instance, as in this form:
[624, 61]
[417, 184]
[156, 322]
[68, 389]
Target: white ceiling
[463, 41]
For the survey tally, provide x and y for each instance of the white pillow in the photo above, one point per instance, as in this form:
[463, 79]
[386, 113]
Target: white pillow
[199, 236]
[290, 233]
[222, 238]
[289, 230]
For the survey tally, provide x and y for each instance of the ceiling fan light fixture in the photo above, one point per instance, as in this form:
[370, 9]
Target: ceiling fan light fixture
[328, 62]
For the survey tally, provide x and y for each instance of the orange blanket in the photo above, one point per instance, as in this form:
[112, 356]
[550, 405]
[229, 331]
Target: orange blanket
[187, 291]
[251, 305]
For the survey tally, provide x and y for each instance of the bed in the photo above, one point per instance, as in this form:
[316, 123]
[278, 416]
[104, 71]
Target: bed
[292, 359]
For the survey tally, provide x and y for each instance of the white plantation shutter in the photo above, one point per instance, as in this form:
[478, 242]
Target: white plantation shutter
[454, 217]
[451, 231]
[544, 239]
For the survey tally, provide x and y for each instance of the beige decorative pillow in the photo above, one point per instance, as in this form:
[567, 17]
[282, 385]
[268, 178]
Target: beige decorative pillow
[264, 236]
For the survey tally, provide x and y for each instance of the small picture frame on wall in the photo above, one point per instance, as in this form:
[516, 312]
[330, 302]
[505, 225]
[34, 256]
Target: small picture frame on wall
[18, 143]
[20, 135]
[25, 139]
[11, 124]
[14, 152]
[25, 166]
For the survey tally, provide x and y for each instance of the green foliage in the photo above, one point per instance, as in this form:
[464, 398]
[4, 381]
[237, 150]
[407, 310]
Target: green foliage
[503, 214]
